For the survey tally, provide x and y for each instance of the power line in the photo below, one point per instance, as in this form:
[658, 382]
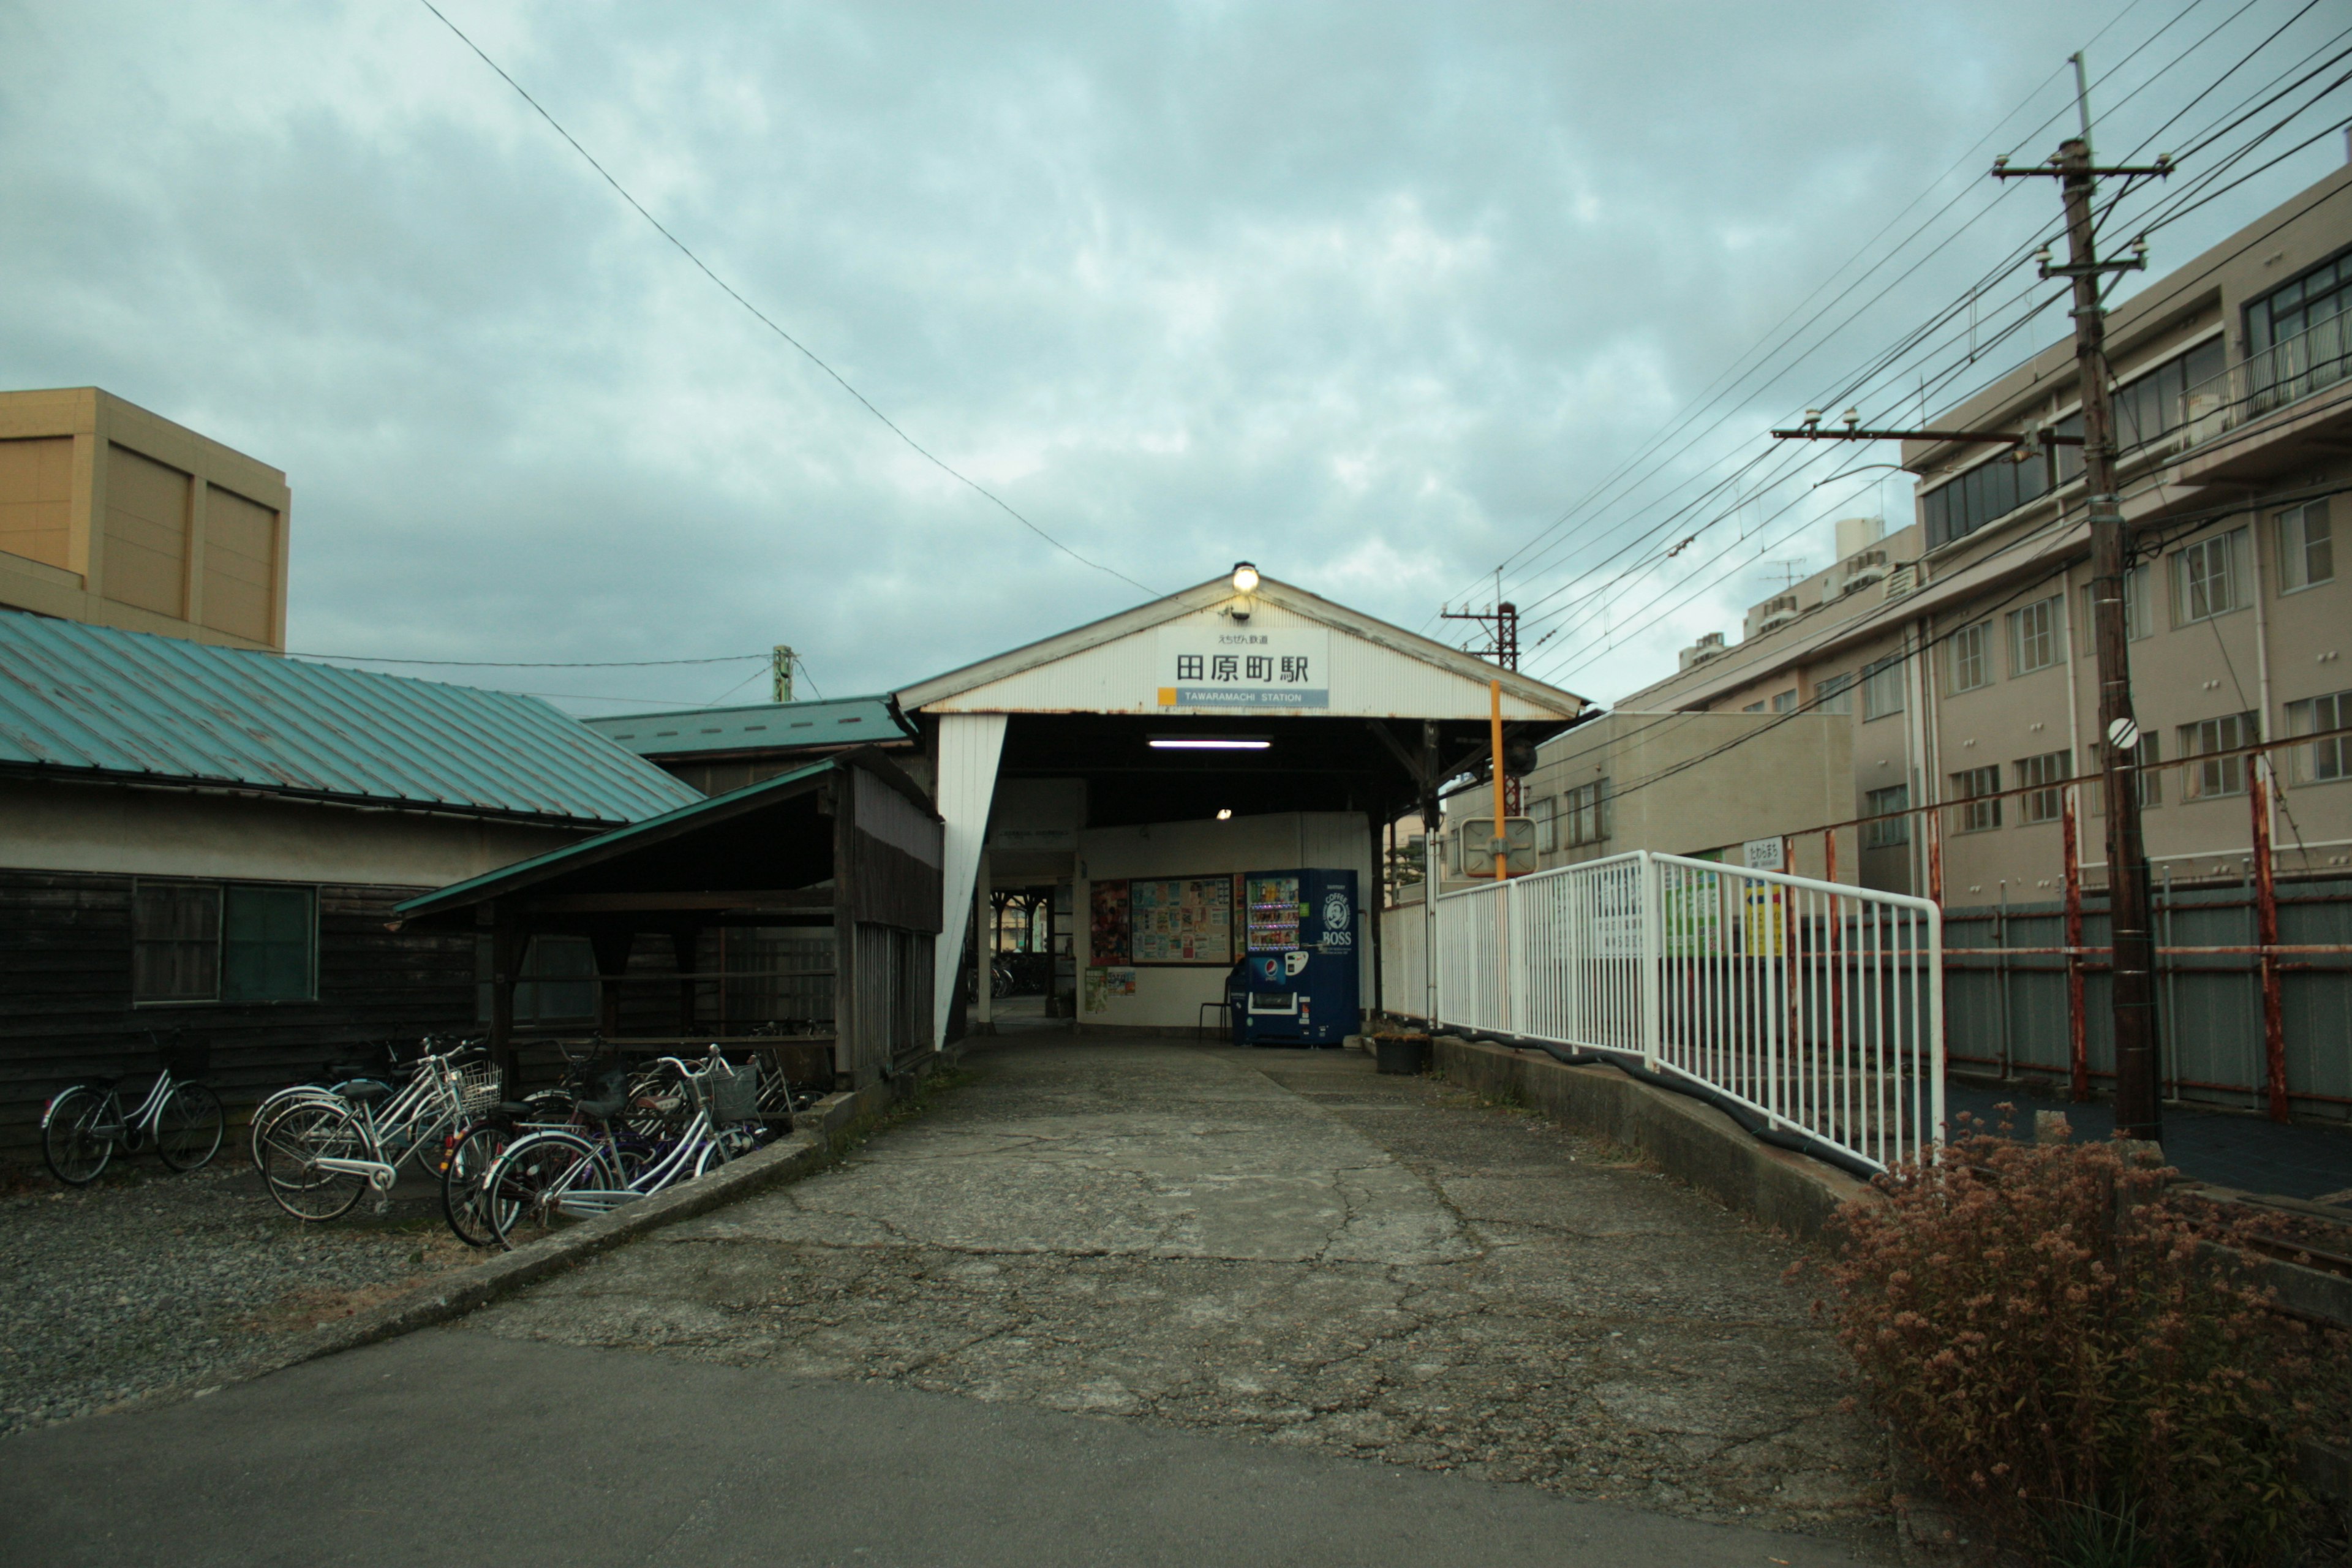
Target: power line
[765, 320]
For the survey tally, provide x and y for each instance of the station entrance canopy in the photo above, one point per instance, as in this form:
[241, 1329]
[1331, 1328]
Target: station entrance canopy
[1269, 702]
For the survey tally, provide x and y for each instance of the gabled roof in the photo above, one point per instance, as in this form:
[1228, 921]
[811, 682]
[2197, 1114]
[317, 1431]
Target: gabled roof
[95, 702]
[757, 727]
[676, 851]
[1548, 700]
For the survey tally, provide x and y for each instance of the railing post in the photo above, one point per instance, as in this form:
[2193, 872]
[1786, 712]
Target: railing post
[1933, 961]
[1653, 961]
[2277, 1102]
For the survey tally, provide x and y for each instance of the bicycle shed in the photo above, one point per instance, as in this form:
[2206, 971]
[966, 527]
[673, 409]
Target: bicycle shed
[797, 915]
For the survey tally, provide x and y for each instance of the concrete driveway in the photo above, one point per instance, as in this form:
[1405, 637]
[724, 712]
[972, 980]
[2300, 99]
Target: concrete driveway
[1282, 1245]
[1029, 1327]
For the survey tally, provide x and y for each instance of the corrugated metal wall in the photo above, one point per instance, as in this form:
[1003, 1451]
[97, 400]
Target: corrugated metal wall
[970, 746]
[2209, 1006]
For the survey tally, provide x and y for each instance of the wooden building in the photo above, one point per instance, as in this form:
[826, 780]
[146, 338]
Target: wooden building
[210, 839]
[804, 906]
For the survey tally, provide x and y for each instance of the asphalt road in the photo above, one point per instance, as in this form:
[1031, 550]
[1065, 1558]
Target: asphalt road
[452, 1445]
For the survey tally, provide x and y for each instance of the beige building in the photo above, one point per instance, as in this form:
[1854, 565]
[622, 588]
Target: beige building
[1956, 650]
[117, 517]
[1634, 780]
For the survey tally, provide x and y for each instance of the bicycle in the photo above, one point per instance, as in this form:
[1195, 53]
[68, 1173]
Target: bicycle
[84, 1123]
[319, 1153]
[547, 1177]
[469, 1152]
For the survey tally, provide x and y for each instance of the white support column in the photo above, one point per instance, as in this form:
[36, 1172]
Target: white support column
[970, 746]
[983, 947]
[1653, 947]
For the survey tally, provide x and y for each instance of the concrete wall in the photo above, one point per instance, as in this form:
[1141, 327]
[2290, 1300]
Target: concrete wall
[59, 827]
[1168, 997]
[117, 517]
[1793, 774]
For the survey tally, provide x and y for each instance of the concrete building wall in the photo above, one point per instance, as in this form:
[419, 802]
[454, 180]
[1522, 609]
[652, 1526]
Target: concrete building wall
[115, 516]
[66, 826]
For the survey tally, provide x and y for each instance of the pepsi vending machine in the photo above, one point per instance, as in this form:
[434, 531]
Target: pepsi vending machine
[1296, 984]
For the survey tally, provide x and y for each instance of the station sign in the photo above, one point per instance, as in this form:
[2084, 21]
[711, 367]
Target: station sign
[1280, 668]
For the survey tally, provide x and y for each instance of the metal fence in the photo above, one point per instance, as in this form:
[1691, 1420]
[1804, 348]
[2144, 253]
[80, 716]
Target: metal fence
[1814, 1006]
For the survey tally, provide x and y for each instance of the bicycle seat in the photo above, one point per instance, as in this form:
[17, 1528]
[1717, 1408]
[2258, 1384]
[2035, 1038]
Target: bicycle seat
[364, 1091]
[601, 1109]
[338, 1072]
[515, 1108]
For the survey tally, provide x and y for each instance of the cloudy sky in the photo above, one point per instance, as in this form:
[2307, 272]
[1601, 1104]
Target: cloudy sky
[1373, 295]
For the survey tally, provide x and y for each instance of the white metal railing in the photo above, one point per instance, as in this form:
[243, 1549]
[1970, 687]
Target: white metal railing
[1815, 1006]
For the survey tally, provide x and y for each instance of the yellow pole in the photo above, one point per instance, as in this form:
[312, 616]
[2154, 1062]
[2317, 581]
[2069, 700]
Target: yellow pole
[1494, 694]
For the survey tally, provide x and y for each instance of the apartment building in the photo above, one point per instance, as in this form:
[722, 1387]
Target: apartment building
[1958, 645]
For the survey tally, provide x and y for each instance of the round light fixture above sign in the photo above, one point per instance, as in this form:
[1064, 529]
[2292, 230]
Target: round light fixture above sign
[1245, 577]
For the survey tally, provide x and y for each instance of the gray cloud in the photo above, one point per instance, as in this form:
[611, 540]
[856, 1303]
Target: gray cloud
[1366, 294]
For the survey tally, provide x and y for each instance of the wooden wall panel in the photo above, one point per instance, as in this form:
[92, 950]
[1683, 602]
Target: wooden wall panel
[241, 542]
[65, 995]
[146, 555]
[37, 499]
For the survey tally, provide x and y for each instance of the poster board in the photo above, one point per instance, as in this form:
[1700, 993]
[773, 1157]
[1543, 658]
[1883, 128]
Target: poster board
[1107, 924]
[1163, 922]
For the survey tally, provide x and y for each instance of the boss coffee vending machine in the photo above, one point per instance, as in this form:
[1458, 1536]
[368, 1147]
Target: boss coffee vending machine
[1297, 982]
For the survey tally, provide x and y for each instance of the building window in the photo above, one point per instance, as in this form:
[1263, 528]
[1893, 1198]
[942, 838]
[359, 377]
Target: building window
[2136, 619]
[1833, 694]
[1753, 708]
[1545, 814]
[1882, 687]
[1784, 701]
[2322, 761]
[2040, 777]
[211, 941]
[2155, 403]
[2033, 637]
[1977, 793]
[1968, 658]
[1991, 489]
[1587, 809]
[1890, 825]
[2296, 334]
[2218, 774]
[2306, 547]
[2208, 578]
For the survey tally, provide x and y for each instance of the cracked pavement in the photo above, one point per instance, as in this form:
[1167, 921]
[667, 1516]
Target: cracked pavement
[1280, 1246]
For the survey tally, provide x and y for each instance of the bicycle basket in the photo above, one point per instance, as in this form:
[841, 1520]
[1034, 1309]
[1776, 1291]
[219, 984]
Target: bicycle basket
[733, 1093]
[479, 1088]
[184, 1056]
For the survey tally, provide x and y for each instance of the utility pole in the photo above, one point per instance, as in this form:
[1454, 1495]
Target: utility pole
[780, 668]
[1502, 623]
[2139, 1104]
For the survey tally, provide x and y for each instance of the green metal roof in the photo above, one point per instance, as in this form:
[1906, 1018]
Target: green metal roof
[758, 727]
[93, 701]
[588, 851]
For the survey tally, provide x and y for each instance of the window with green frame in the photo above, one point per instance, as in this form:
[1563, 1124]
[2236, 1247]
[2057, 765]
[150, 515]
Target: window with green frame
[215, 941]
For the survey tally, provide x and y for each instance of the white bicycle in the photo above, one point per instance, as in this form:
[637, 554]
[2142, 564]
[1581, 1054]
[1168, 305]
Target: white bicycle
[82, 1126]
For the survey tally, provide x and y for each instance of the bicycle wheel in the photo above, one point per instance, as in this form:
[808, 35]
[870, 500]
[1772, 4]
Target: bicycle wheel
[465, 1190]
[298, 1140]
[188, 1129]
[269, 1110]
[528, 1182]
[75, 1141]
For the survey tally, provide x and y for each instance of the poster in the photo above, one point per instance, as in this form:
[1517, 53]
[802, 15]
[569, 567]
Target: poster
[1102, 984]
[1107, 925]
[1180, 920]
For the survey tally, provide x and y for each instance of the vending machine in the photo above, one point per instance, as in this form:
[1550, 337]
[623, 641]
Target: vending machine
[1297, 982]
